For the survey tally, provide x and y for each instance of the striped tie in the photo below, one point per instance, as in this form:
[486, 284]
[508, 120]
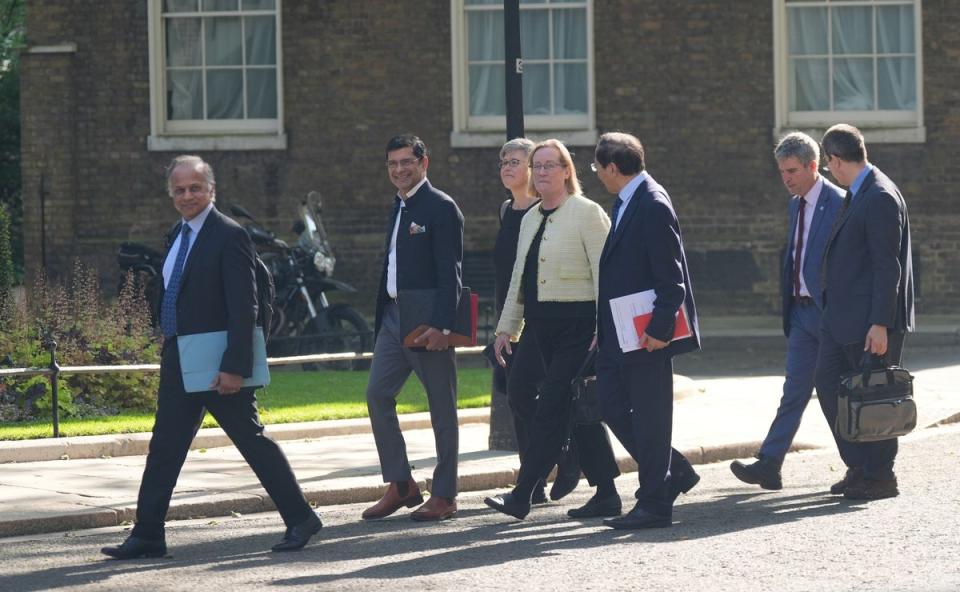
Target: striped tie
[168, 308]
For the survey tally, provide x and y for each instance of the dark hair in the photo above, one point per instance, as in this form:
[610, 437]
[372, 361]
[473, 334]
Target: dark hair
[407, 141]
[845, 142]
[623, 150]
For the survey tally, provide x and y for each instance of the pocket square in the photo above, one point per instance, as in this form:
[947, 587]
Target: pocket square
[417, 229]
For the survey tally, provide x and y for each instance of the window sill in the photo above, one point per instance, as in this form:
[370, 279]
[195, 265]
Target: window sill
[465, 139]
[872, 135]
[213, 143]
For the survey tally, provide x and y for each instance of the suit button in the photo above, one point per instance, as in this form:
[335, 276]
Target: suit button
[544, 238]
[542, 259]
[543, 281]
[550, 220]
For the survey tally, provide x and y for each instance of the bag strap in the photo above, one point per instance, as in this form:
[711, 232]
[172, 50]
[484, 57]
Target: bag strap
[503, 208]
[591, 356]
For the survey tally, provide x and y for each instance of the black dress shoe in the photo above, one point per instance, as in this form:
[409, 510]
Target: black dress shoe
[638, 518]
[509, 504]
[563, 485]
[539, 497]
[682, 483]
[765, 472]
[872, 489]
[135, 548]
[853, 477]
[597, 506]
[299, 535]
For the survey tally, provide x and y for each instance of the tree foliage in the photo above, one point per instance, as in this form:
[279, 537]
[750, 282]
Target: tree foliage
[12, 35]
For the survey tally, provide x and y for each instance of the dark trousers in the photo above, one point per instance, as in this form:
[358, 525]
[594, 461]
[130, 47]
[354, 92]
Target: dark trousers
[875, 458]
[178, 418]
[637, 403]
[524, 374]
[563, 344]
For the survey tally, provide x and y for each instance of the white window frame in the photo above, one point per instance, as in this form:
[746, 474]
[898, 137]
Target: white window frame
[877, 126]
[485, 131]
[235, 134]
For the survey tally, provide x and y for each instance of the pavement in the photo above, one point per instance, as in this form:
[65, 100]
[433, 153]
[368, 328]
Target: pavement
[89, 482]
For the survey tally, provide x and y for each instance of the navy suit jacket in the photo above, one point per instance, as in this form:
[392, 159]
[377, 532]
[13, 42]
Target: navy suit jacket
[829, 204]
[645, 252]
[429, 252]
[218, 289]
[868, 265]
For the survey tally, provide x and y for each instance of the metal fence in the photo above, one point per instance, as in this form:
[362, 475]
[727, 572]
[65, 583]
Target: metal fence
[55, 370]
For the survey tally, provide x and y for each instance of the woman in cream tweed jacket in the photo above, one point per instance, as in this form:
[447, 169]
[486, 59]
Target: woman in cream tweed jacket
[553, 296]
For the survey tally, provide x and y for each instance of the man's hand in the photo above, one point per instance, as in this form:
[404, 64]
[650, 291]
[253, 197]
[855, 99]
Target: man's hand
[226, 383]
[434, 340]
[652, 343]
[876, 342]
[502, 343]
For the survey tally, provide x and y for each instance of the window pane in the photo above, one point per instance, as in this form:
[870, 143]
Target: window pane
[535, 34]
[808, 31]
[220, 5]
[480, 2]
[262, 93]
[852, 30]
[895, 29]
[259, 4]
[261, 40]
[184, 95]
[897, 83]
[853, 84]
[570, 34]
[223, 41]
[570, 82]
[485, 36]
[809, 85]
[224, 94]
[180, 5]
[183, 42]
[486, 90]
[536, 89]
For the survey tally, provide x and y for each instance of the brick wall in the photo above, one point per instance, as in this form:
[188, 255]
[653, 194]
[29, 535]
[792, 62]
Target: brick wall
[693, 79]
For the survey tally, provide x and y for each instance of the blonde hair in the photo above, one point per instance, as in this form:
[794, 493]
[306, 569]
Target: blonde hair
[572, 182]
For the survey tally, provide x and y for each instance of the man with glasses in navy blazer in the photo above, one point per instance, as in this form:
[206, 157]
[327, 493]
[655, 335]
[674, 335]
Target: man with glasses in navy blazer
[814, 205]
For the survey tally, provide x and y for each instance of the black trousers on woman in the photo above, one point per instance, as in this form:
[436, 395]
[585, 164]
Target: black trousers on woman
[562, 345]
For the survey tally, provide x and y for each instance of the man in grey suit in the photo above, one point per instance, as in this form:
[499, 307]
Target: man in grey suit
[424, 248]
[867, 279]
[814, 206]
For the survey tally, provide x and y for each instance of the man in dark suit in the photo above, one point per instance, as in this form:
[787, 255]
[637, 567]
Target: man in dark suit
[644, 251]
[867, 281]
[814, 206]
[424, 249]
[209, 285]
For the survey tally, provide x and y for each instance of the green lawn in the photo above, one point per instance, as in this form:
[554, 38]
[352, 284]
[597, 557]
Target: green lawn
[293, 396]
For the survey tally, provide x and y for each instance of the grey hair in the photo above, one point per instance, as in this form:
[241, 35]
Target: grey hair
[517, 144]
[193, 161]
[800, 146]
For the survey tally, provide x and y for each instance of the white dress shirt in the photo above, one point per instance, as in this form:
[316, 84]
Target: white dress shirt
[195, 225]
[392, 256]
[808, 211]
[626, 193]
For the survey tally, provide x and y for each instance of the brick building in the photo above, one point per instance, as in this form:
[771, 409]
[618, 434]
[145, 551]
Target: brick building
[288, 96]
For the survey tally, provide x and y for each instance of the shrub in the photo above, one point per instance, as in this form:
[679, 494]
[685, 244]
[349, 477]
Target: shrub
[88, 332]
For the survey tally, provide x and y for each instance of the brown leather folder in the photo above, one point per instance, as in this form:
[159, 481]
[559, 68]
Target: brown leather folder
[416, 310]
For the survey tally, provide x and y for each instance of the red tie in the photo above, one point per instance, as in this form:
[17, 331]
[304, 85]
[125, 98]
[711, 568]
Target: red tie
[798, 253]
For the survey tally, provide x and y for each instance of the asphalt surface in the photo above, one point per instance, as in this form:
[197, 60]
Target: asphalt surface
[725, 536]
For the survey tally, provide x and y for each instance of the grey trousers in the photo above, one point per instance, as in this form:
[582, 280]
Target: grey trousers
[437, 371]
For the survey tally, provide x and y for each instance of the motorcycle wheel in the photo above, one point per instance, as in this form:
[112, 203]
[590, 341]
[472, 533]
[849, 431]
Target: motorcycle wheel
[346, 331]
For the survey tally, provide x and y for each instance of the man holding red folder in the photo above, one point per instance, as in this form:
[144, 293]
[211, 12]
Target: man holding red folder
[644, 251]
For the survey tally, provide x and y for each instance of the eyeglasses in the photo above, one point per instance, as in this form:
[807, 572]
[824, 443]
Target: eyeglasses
[512, 163]
[548, 167]
[402, 164]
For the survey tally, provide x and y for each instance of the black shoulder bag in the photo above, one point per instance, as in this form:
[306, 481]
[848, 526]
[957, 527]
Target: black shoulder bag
[875, 403]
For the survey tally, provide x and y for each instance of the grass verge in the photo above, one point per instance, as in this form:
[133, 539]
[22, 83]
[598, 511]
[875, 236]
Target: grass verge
[291, 397]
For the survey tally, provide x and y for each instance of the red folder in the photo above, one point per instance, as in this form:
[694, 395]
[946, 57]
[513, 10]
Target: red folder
[681, 329]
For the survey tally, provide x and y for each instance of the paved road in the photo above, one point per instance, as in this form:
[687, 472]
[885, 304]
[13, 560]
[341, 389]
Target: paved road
[726, 536]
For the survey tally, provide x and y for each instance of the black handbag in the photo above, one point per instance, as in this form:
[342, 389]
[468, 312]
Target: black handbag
[875, 403]
[584, 406]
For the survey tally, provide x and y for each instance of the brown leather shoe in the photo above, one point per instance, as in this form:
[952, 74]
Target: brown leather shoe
[436, 508]
[872, 489]
[853, 477]
[393, 501]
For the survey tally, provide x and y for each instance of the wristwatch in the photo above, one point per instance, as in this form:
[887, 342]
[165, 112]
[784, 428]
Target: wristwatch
[446, 331]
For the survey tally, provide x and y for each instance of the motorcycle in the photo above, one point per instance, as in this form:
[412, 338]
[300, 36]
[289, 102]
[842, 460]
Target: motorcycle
[304, 320]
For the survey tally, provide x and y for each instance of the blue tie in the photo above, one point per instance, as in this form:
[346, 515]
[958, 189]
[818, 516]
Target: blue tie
[616, 212]
[168, 309]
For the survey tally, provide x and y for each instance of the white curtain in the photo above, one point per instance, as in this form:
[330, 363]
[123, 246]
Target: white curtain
[184, 87]
[809, 76]
[485, 44]
[535, 40]
[570, 43]
[852, 76]
[261, 40]
[896, 75]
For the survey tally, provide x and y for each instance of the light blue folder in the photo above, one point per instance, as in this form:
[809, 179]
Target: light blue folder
[201, 354]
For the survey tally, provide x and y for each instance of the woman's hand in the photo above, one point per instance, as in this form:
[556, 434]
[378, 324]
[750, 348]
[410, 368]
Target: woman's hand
[502, 343]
